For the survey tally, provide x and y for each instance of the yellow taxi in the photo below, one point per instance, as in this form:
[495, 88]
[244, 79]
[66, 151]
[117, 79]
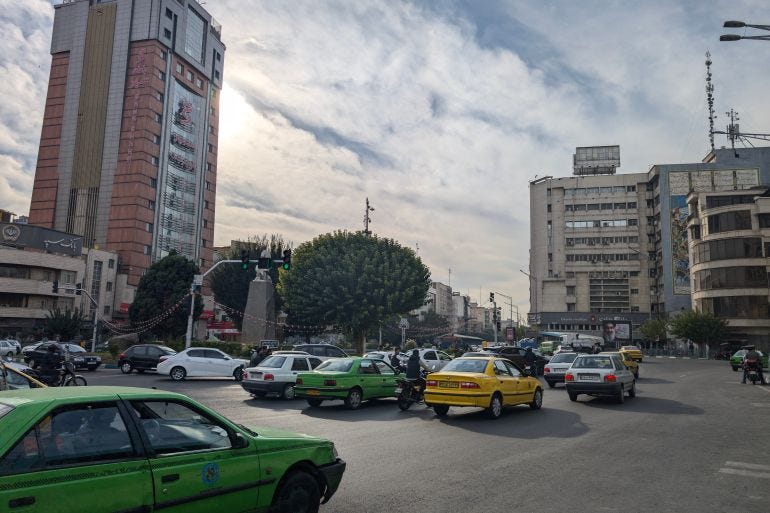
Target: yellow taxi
[627, 360]
[487, 382]
[633, 351]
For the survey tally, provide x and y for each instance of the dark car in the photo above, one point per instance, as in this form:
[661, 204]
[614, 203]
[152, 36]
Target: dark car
[322, 351]
[143, 357]
[80, 358]
[517, 354]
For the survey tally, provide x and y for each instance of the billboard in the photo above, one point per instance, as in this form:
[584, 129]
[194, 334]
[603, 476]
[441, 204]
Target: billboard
[616, 333]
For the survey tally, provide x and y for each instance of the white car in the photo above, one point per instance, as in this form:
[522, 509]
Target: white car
[7, 349]
[14, 343]
[557, 367]
[201, 362]
[433, 358]
[599, 375]
[278, 373]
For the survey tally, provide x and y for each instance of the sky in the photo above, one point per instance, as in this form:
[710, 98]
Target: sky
[439, 112]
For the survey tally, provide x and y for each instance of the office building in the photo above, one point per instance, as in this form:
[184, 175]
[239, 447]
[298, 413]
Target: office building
[607, 247]
[128, 147]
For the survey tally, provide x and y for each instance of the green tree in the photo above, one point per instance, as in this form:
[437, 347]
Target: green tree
[655, 330]
[698, 327]
[230, 283]
[66, 324]
[164, 284]
[426, 330]
[352, 281]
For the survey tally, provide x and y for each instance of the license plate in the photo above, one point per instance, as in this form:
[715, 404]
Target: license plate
[255, 375]
[399, 390]
[313, 392]
[448, 384]
[588, 377]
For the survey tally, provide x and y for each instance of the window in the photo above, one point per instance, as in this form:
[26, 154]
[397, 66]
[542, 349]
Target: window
[154, 161]
[728, 221]
[156, 139]
[154, 183]
[208, 166]
[205, 223]
[299, 364]
[151, 204]
[216, 74]
[167, 33]
[631, 204]
[175, 427]
[570, 290]
[367, 367]
[195, 35]
[203, 242]
[169, 13]
[158, 118]
[161, 75]
[147, 250]
[189, 75]
[163, 55]
[383, 367]
[106, 310]
[148, 227]
[211, 148]
[199, 83]
[501, 369]
[111, 263]
[205, 203]
[208, 186]
[571, 307]
[179, 68]
[218, 56]
[109, 286]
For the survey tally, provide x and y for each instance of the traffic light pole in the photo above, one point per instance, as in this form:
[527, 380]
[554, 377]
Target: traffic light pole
[96, 313]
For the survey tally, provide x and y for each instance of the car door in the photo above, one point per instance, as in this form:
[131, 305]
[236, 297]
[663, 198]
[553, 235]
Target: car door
[298, 364]
[68, 463]
[369, 378]
[198, 463]
[506, 384]
[525, 388]
[443, 359]
[195, 362]
[152, 357]
[138, 356]
[388, 379]
[624, 375]
[219, 364]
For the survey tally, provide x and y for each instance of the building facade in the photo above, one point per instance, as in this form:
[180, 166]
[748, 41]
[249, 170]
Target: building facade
[608, 247]
[128, 147]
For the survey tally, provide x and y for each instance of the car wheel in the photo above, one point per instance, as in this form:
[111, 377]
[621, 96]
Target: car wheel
[621, 397]
[354, 398]
[10, 354]
[572, 396]
[441, 409]
[178, 373]
[735, 369]
[314, 403]
[288, 392]
[238, 374]
[537, 400]
[551, 384]
[632, 391]
[495, 407]
[298, 493]
[126, 368]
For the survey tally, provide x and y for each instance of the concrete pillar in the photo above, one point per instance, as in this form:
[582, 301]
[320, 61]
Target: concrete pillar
[259, 318]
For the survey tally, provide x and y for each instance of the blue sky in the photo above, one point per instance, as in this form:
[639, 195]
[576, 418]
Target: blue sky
[438, 112]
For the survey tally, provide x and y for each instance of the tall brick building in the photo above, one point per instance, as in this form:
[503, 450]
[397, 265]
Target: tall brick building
[128, 149]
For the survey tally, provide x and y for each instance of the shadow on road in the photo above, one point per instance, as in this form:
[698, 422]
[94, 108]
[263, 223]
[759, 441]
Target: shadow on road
[654, 381]
[369, 410]
[641, 404]
[518, 422]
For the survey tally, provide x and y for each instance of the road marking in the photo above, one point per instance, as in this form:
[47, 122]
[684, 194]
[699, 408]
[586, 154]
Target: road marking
[746, 469]
[761, 405]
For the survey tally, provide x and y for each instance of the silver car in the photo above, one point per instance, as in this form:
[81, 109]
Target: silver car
[599, 375]
[557, 367]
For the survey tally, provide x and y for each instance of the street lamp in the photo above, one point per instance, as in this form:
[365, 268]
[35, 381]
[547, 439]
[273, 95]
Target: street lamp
[740, 24]
[533, 293]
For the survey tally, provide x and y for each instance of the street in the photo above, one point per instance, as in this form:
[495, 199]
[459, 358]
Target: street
[694, 439]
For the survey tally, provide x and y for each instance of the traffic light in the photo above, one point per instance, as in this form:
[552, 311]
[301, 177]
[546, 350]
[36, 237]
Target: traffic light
[498, 325]
[286, 260]
[491, 297]
[78, 289]
[245, 259]
[55, 287]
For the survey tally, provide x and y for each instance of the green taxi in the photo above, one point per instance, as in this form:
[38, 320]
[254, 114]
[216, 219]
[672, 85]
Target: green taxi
[353, 380]
[108, 449]
[736, 360]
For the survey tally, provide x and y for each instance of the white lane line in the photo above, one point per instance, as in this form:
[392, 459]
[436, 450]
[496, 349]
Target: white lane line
[745, 473]
[750, 466]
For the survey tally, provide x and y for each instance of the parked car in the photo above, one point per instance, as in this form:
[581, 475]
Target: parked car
[556, 368]
[433, 358]
[143, 357]
[29, 348]
[152, 450]
[633, 351]
[488, 382]
[322, 351]
[627, 360]
[736, 360]
[353, 379]
[8, 349]
[599, 375]
[277, 373]
[202, 361]
[15, 344]
[79, 357]
[15, 376]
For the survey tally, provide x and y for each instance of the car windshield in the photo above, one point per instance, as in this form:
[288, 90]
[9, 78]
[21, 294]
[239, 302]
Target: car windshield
[630, 348]
[335, 365]
[740, 353]
[4, 409]
[592, 362]
[273, 362]
[72, 348]
[564, 358]
[465, 365]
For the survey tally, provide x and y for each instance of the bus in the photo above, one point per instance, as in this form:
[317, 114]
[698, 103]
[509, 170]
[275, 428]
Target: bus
[549, 341]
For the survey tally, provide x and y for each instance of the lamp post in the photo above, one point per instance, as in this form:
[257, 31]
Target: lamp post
[533, 292]
[740, 24]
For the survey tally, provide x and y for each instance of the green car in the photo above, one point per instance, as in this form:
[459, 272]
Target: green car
[352, 379]
[736, 360]
[110, 449]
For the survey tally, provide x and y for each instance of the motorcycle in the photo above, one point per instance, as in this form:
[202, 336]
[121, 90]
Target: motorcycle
[752, 370]
[66, 377]
[409, 392]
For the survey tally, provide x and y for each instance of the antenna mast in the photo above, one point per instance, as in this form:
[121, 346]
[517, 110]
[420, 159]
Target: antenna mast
[710, 99]
[367, 219]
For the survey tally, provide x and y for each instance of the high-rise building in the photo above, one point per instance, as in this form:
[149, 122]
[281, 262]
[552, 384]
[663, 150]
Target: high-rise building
[612, 248]
[128, 149]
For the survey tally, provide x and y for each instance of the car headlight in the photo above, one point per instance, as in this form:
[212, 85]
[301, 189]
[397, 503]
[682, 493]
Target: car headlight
[335, 454]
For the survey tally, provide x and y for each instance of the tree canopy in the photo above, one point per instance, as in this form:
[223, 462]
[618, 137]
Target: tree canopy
[66, 324]
[164, 284]
[230, 283]
[698, 327]
[353, 281]
[655, 330]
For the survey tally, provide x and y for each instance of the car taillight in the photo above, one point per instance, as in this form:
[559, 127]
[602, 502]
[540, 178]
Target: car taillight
[299, 381]
[610, 378]
[431, 383]
[121, 356]
[268, 377]
[547, 370]
[330, 382]
[469, 384]
[569, 377]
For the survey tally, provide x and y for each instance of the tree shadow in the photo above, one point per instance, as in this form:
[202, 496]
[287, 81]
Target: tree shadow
[642, 404]
[369, 410]
[654, 381]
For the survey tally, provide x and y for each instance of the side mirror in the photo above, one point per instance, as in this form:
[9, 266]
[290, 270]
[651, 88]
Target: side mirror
[240, 442]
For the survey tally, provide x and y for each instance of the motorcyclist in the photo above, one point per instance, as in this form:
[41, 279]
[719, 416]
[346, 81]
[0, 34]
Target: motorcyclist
[51, 364]
[413, 366]
[752, 358]
[530, 357]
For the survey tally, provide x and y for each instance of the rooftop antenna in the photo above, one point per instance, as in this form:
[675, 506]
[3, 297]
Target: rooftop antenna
[367, 219]
[710, 99]
[733, 129]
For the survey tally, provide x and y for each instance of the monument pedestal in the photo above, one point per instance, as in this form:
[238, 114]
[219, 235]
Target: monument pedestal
[259, 316]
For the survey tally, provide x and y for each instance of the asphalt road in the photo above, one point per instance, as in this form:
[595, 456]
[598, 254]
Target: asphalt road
[694, 439]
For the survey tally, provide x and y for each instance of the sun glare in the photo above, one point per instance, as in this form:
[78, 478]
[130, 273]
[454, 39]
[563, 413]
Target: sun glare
[234, 111]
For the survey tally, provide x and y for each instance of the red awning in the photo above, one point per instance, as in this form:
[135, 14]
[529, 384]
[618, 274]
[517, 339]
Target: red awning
[206, 314]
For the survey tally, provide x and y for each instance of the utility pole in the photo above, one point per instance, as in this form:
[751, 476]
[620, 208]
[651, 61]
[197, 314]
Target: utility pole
[367, 219]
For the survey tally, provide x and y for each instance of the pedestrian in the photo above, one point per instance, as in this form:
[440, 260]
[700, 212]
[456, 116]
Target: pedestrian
[395, 362]
[530, 357]
[692, 348]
